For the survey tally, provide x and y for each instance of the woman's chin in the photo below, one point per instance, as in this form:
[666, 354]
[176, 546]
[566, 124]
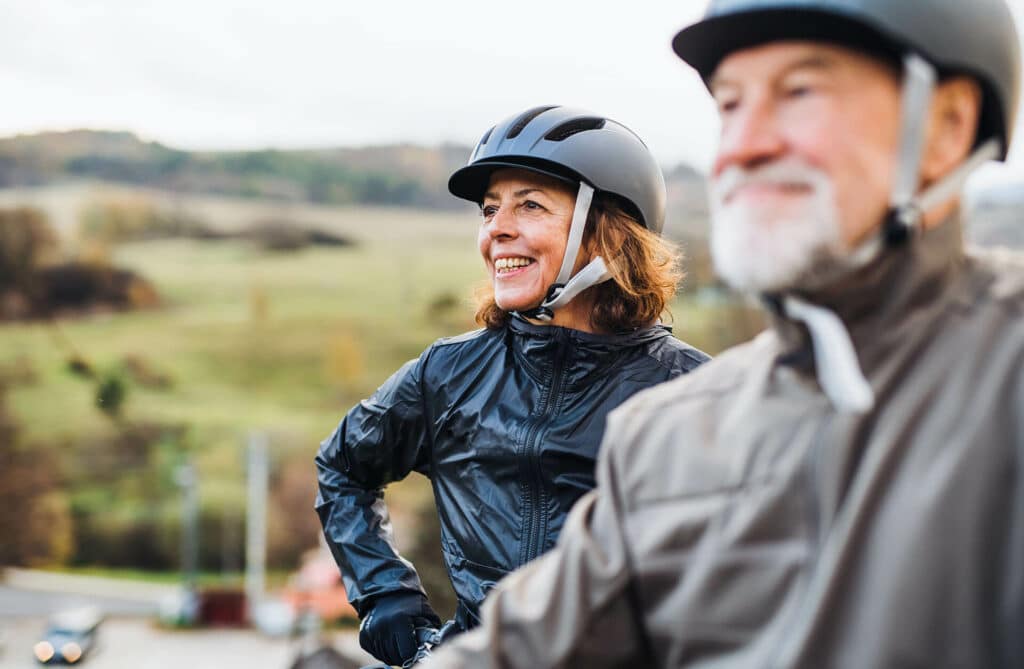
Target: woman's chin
[516, 303]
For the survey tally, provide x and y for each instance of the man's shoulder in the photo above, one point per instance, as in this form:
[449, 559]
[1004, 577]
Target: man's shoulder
[1002, 272]
[664, 441]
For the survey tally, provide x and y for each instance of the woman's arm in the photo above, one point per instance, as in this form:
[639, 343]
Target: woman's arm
[381, 440]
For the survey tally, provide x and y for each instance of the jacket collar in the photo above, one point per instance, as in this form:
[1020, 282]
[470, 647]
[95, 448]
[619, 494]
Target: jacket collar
[876, 301]
[523, 327]
[538, 348]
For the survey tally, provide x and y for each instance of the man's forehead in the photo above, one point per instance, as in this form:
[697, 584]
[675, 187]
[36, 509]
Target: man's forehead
[775, 58]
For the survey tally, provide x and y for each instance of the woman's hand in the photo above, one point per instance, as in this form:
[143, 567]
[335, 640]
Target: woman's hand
[388, 632]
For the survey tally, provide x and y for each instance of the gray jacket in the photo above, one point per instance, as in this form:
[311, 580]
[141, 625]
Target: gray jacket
[740, 521]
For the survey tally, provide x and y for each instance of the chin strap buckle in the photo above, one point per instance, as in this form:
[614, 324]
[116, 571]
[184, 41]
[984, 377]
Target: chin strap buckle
[553, 292]
[900, 223]
[538, 314]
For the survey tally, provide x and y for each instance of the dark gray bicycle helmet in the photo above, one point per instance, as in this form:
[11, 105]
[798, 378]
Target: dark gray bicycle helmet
[573, 145]
[588, 151]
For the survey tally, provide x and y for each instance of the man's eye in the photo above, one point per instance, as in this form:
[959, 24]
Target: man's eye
[726, 102]
[727, 105]
[798, 91]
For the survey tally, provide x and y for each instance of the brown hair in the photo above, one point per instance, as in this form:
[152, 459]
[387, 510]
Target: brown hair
[646, 271]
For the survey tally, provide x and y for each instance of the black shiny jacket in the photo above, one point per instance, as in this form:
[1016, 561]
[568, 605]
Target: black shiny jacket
[506, 424]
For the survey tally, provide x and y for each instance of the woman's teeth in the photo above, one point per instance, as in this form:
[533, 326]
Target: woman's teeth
[503, 265]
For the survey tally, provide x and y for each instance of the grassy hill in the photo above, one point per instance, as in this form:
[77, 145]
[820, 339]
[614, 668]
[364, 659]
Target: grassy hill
[401, 175]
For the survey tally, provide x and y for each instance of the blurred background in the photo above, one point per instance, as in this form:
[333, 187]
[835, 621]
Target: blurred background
[221, 225]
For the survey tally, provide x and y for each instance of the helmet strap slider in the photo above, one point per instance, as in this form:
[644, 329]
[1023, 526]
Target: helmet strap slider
[907, 206]
[919, 77]
[553, 292]
[542, 314]
[899, 222]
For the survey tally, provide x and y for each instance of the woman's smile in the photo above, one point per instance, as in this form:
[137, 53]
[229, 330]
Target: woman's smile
[508, 267]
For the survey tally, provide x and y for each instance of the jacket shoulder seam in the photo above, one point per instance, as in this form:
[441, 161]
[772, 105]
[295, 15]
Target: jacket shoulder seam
[691, 354]
[1006, 290]
[463, 338]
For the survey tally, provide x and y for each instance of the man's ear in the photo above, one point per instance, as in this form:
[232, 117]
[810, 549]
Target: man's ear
[952, 127]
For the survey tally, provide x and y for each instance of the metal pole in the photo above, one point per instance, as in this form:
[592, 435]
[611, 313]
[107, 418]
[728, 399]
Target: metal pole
[187, 479]
[256, 520]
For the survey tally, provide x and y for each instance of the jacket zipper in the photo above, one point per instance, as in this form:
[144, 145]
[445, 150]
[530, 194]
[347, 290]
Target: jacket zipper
[534, 526]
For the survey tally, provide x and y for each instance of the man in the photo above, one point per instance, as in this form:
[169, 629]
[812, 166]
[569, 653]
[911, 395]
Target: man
[847, 490]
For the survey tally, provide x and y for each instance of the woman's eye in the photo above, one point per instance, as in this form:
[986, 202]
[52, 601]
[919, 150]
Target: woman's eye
[488, 211]
[531, 205]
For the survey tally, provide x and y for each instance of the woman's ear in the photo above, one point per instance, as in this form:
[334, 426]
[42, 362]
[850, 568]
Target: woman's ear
[952, 127]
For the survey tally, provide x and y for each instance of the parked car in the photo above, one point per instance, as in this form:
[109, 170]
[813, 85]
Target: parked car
[69, 636]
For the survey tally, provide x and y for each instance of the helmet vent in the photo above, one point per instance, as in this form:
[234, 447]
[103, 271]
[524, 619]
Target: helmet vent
[487, 136]
[577, 125]
[524, 120]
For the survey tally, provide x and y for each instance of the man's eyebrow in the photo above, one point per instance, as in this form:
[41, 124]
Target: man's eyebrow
[717, 81]
[815, 61]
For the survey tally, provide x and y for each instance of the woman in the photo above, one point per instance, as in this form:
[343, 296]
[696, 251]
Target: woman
[506, 421]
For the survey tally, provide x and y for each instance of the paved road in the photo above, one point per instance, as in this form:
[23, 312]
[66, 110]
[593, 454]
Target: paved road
[129, 639]
[19, 603]
[131, 643]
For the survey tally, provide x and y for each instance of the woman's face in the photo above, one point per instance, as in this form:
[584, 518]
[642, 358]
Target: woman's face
[526, 219]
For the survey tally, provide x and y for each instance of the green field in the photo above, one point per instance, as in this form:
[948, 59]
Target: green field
[255, 339]
[282, 343]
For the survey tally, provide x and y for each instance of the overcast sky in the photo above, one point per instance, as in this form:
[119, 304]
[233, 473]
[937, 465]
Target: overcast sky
[212, 74]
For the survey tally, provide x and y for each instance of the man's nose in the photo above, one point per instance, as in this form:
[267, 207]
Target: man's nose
[750, 137]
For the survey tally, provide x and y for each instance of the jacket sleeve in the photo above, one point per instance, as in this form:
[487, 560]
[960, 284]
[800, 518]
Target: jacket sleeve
[572, 607]
[380, 440]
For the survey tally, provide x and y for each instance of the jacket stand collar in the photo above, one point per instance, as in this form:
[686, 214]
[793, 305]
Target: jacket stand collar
[874, 302]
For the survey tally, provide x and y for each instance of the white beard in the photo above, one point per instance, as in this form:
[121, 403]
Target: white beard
[769, 249]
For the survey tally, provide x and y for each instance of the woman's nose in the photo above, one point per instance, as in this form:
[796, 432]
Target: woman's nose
[502, 224]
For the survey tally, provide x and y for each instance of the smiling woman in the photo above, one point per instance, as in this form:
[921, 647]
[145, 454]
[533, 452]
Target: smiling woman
[645, 267]
[507, 421]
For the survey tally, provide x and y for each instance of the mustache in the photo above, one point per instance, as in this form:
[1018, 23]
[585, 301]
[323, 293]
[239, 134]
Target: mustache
[788, 173]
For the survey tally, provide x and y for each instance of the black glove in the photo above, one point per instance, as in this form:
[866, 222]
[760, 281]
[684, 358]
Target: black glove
[388, 632]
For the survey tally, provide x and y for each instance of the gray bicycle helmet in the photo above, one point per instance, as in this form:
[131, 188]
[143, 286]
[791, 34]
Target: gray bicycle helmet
[931, 38]
[589, 152]
[973, 37]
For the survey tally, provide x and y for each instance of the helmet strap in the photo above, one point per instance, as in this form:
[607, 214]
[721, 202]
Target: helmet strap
[907, 206]
[584, 197]
[567, 286]
[835, 359]
[838, 369]
[918, 86]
